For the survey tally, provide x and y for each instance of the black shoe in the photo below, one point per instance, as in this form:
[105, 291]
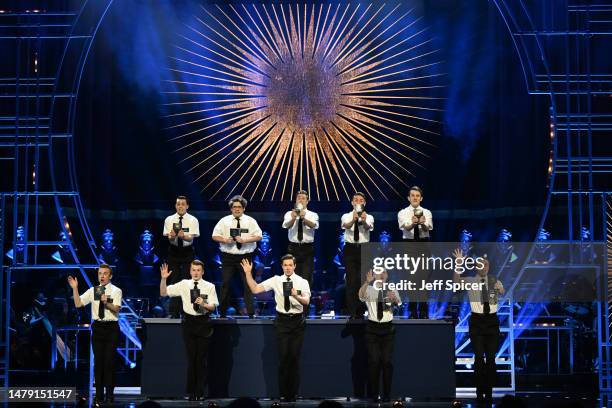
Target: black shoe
[97, 401]
[110, 395]
[287, 399]
[192, 397]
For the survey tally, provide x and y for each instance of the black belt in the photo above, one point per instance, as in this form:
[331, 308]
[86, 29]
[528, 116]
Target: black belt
[106, 321]
[484, 314]
[355, 243]
[301, 243]
[380, 323]
[289, 315]
[187, 316]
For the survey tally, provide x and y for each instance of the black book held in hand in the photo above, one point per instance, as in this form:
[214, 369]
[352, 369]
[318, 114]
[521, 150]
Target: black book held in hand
[98, 292]
[194, 293]
[287, 286]
[235, 232]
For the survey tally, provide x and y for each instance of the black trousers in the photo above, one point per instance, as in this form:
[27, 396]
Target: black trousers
[290, 336]
[230, 265]
[179, 262]
[484, 335]
[352, 269]
[304, 259]
[418, 306]
[197, 331]
[104, 341]
[379, 342]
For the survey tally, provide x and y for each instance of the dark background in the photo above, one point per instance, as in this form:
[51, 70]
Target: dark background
[487, 172]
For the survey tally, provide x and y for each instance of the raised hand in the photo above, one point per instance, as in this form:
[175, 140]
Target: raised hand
[72, 281]
[163, 269]
[499, 287]
[458, 253]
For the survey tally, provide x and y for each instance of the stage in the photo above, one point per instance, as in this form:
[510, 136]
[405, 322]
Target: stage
[126, 127]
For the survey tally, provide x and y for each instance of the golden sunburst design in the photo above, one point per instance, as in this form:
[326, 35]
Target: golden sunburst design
[326, 98]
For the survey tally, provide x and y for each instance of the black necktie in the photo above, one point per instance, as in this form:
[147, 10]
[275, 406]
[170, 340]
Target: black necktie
[101, 310]
[196, 307]
[356, 231]
[287, 301]
[417, 231]
[379, 306]
[484, 298]
[179, 241]
[238, 244]
[300, 234]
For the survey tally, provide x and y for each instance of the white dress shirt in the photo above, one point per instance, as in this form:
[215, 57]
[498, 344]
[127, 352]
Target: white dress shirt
[275, 283]
[371, 301]
[183, 289]
[405, 217]
[223, 227]
[475, 295]
[111, 291]
[189, 221]
[364, 235]
[308, 231]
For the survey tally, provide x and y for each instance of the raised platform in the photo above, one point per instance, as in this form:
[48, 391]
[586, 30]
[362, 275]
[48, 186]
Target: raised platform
[243, 359]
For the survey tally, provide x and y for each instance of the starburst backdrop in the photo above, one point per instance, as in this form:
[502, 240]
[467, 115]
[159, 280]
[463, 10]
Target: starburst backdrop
[332, 98]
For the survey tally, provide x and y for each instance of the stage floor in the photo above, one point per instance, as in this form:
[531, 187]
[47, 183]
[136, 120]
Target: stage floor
[532, 400]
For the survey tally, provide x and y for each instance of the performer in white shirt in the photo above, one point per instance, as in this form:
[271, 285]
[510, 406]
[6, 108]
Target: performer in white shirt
[292, 295]
[357, 226]
[416, 222]
[180, 228]
[483, 326]
[301, 224]
[237, 235]
[198, 298]
[105, 302]
[379, 333]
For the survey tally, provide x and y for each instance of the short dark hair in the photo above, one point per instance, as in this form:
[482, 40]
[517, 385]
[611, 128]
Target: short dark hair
[415, 188]
[237, 198]
[106, 266]
[288, 256]
[197, 262]
[359, 193]
[182, 197]
[302, 192]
